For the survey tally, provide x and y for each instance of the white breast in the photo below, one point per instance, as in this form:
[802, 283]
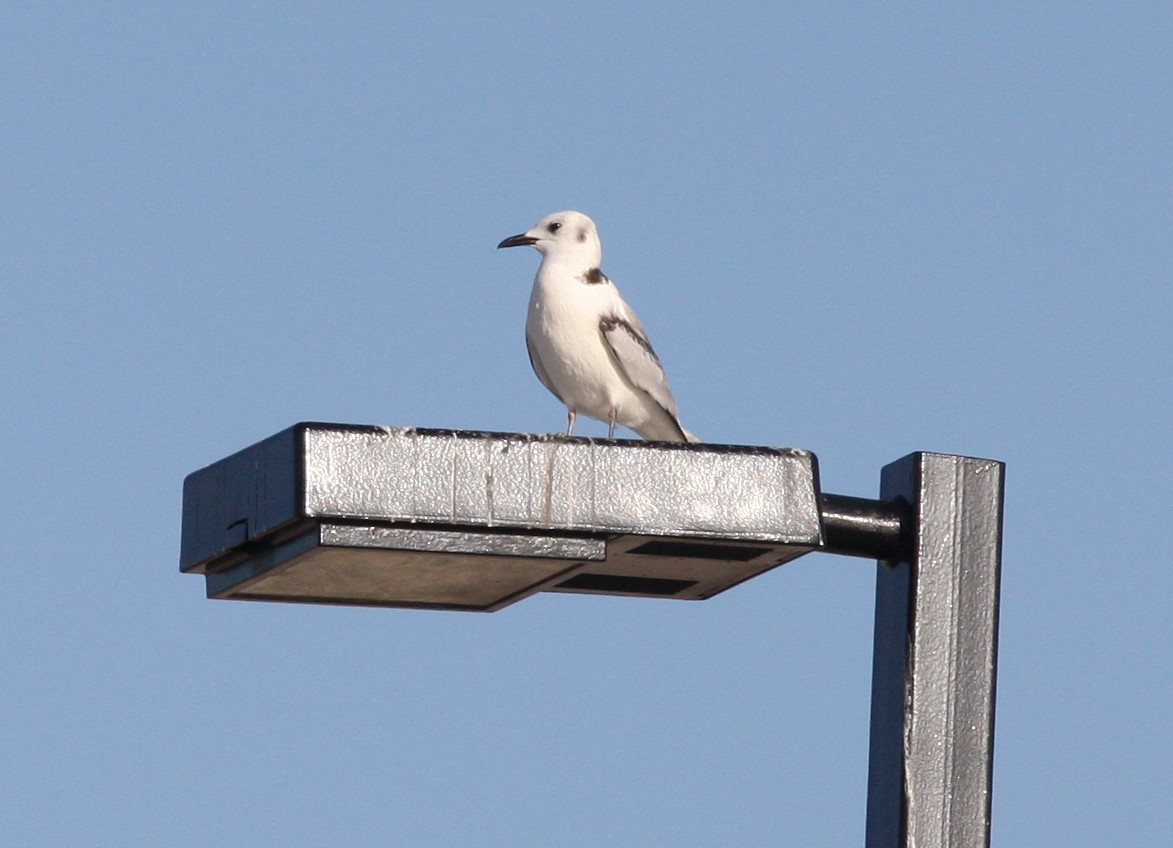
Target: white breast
[563, 325]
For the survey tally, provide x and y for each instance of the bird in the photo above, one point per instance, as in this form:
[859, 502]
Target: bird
[585, 343]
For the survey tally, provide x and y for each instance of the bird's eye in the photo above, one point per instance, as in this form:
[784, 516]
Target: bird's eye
[554, 227]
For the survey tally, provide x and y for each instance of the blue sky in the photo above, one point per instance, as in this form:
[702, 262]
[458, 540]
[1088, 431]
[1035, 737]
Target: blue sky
[858, 229]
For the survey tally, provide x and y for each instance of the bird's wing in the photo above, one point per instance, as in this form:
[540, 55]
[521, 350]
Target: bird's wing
[535, 361]
[628, 342]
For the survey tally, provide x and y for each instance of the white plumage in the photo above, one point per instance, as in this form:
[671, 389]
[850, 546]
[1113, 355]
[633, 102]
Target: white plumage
[585, 343]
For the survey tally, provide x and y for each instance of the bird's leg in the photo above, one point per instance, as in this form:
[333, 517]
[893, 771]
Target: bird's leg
[611, 422]
[570, 416]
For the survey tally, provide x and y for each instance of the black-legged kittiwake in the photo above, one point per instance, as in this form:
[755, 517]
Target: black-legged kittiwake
[585, 343]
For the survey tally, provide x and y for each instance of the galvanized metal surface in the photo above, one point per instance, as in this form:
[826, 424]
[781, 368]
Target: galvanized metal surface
[513, 480]
[935, 658]
[323, 513]
[682, 521]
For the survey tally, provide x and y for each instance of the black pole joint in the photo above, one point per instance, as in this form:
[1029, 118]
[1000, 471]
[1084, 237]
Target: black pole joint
[863, 527]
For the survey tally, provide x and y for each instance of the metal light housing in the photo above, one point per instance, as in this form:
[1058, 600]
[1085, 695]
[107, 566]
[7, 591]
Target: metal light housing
[465, 520]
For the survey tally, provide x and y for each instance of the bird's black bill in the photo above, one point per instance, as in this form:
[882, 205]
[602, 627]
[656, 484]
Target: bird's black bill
[518, 241]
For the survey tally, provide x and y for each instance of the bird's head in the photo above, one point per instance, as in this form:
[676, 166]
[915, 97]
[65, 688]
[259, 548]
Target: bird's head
[564, 236]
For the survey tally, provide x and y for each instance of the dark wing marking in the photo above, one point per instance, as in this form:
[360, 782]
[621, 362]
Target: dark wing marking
[635, 358]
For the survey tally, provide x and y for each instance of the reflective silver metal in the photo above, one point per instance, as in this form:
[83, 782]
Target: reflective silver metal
[469, 520]
[453, 519]
[935, 657]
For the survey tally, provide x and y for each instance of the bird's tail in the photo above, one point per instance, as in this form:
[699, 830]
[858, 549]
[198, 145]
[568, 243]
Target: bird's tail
[665, 428]
[685, 435]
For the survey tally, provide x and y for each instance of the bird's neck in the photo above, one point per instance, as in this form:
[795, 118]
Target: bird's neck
[569, 266]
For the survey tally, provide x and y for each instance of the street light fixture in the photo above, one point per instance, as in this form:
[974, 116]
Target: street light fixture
[465, 520]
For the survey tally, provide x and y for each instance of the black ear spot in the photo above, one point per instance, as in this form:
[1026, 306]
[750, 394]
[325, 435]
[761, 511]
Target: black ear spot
[582, 234]
[553, 227]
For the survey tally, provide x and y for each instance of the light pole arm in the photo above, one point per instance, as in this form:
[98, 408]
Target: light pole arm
[864, 528]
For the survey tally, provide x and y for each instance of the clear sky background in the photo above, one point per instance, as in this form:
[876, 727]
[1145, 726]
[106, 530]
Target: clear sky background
[859, 229]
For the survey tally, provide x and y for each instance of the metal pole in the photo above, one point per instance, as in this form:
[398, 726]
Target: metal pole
[935, 658]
